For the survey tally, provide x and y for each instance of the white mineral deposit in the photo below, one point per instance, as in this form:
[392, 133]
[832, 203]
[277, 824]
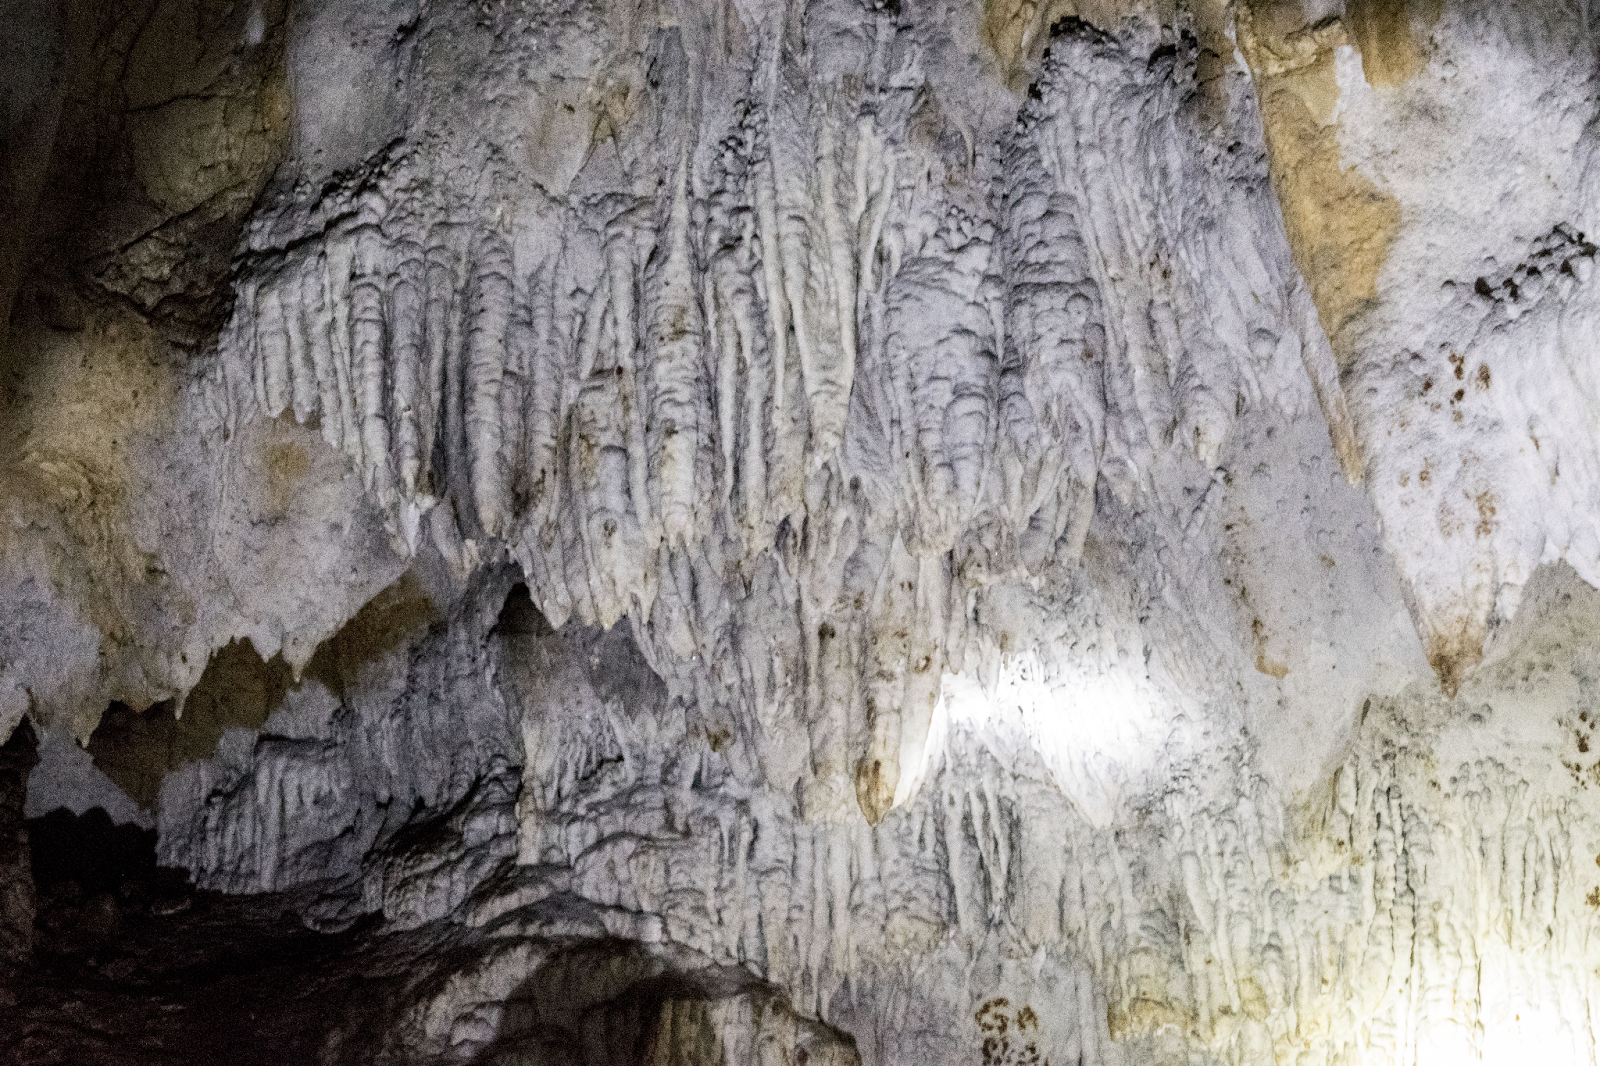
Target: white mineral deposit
[784, 532]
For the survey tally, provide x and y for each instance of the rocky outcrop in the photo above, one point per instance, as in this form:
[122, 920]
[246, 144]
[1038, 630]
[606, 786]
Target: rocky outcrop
[834, 532]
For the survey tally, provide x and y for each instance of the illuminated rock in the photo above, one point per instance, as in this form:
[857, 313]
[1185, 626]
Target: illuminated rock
[896, 532]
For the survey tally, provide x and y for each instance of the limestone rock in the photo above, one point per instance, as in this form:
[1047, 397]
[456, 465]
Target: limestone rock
[849, 531]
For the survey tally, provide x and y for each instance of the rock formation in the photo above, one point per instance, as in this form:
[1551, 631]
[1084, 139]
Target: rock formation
[845, 532]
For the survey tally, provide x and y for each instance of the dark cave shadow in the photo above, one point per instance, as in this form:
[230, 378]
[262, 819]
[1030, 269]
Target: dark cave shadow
[599, 1004]
[617, 1003]
[169, 975]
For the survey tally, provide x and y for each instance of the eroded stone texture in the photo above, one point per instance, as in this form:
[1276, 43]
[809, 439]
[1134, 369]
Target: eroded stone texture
[923, 532]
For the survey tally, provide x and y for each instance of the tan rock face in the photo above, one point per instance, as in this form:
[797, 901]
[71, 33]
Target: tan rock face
[157, 130]
[1340, 225]
[85, 410]
[1392, 36]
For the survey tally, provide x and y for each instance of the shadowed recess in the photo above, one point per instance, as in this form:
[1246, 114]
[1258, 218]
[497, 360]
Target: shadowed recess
[240, 690]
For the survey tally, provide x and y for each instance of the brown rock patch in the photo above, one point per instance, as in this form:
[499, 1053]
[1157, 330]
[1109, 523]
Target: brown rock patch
[1340, 225]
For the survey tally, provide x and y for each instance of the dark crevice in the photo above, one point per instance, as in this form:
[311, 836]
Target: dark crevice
[519, 617]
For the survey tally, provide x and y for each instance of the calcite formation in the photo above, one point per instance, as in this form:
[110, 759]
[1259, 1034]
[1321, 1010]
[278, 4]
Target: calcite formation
[852, 532]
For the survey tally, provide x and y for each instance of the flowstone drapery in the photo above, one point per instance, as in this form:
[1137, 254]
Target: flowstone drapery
[909, 532]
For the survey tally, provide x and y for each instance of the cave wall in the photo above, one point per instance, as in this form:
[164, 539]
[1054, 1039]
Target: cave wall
[1032, 531]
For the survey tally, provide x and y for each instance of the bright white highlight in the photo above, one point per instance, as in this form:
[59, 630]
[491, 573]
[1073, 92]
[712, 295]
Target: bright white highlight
[255, 30]
[1100, 728]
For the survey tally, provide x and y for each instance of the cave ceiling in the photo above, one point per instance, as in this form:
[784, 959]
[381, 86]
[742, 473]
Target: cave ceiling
[704, 532]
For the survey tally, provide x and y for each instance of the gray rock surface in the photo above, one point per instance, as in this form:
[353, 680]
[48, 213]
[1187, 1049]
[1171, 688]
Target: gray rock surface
[906, 532]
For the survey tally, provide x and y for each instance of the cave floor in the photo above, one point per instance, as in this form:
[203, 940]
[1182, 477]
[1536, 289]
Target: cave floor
[151, 976]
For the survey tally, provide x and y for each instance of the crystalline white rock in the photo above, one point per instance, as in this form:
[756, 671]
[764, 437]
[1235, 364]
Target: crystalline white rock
[906, 540]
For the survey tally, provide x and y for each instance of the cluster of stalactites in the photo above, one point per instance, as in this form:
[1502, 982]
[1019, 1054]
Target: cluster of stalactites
[835, 352]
